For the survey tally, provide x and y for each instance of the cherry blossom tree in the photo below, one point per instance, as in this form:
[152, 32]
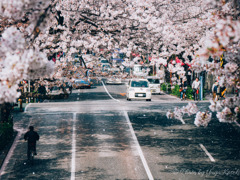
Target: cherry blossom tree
[31, 31]
[221, 38]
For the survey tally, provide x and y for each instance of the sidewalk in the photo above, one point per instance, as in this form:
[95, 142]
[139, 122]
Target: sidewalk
[5, 151]
[16, 115]
[179, 99]
[209, 95]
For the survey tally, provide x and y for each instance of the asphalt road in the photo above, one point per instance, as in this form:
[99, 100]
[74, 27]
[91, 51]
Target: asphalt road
[97, 134]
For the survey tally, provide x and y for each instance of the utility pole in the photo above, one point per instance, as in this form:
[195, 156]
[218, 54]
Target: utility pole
[29, 90]
[29, 84]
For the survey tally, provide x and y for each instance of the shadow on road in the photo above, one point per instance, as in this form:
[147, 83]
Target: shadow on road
[180, 144]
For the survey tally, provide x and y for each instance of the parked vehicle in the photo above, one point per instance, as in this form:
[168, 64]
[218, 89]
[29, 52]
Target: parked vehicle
[114, 80]
[114, 71]
[139, 70]
[88, 57]
[82, 83]
[104, 61]
[154, 83]
[138, 89]
[106, 67]
[55, 90]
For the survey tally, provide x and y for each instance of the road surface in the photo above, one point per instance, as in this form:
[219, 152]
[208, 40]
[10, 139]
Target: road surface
[97, 134]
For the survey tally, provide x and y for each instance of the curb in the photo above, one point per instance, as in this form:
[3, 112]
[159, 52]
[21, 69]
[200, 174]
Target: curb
[6, 151]
[236, 127]
[187, 100]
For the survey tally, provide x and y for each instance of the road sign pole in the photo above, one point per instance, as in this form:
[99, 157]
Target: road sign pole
[201, 87]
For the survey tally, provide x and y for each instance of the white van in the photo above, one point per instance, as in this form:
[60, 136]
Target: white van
[138, 89]
[138, 70]
[154, 84]
[106, 67]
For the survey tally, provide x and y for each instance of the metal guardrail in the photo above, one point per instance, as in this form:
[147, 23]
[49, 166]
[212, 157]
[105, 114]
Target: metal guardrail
[37, 95]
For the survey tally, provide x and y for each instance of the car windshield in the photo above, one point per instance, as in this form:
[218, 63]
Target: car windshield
[104, 61]
[55, 88]
[154, 81]
[139, 84]
[106, 66]
[81, 81]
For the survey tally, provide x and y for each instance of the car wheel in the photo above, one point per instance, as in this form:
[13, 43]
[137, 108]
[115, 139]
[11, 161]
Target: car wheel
[148, 99]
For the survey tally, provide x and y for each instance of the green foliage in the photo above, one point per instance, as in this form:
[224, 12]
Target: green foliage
[164, 87]
[189, 92]
[176, 91]
[6, 133]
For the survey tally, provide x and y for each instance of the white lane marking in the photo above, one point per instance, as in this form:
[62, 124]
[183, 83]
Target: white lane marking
[108, 92]
[183, 122]
[10, 153]
[73, 162]
[208, 154]
[237, 123]
[25, 110]
[149, 174]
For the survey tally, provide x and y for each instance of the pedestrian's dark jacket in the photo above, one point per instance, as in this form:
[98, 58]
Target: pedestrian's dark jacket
[184, 85]
[42, 90]
[31, 136]
[222, 88]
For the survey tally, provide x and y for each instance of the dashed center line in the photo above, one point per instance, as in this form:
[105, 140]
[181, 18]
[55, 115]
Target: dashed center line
[208, 154]
[25, 110]
[109, 93]
[183, 122]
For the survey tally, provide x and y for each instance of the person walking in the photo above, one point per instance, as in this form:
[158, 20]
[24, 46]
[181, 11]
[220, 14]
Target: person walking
[195, 88]
[214, 90]
[183, 89]
[70, 87]
[32, 137]
[222, 91]
[42, 92]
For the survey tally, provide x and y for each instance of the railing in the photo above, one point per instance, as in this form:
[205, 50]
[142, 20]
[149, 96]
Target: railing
[28, 95]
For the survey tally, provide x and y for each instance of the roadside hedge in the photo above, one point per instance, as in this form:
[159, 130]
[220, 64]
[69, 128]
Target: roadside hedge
[175, 91]
[189, 92]
[164, 87]
[6, 133]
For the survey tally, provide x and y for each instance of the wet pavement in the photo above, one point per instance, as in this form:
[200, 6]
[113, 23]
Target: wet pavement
[91, 135]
